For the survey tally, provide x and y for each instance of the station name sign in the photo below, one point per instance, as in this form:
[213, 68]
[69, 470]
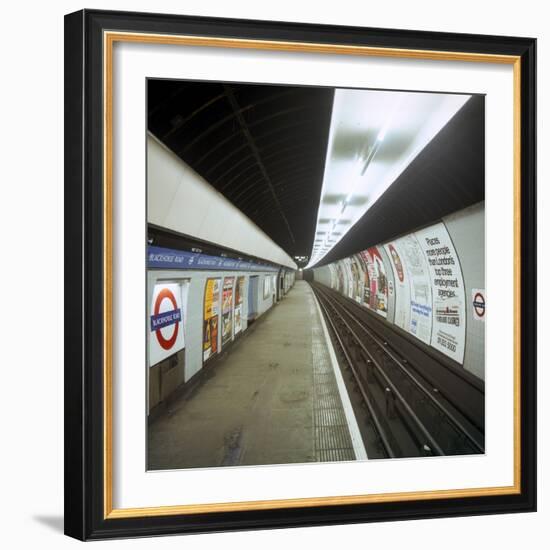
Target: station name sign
[168, 258]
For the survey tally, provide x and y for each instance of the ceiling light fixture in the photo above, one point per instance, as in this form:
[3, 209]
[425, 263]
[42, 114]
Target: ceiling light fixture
[403, 123]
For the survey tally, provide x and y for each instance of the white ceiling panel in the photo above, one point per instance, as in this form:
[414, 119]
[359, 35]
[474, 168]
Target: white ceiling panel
[374, 136]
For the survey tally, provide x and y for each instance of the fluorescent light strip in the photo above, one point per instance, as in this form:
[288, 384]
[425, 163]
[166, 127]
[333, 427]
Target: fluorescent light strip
[386, 121]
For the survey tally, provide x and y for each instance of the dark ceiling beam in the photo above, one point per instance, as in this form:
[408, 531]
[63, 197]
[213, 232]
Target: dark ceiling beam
[238, 114]
[298, 165]
[241, 147]
[235, 199]
[298, 189]
[244, 158]
[257, 198]
[224, 159]
[285, 165]
[234, 188]
[227, 185]
[233, 135]
[192, 115]
[295, 204]
[299, 145]
[295, 210]
[284, 128]
[277, 114]
[211, 128]
[236, 176]
[243, 204]
[234, 114]
[285, 177]
[290, 197]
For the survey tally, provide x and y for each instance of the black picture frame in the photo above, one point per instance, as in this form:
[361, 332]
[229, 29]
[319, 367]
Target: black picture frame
[86, 498]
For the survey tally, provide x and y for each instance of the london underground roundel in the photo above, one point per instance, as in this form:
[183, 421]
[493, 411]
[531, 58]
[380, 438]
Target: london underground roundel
[166, 322]
[478, 303]
[167, 318]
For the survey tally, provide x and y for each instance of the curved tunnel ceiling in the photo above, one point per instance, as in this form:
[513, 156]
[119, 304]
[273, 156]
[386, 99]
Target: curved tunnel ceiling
[263, 147]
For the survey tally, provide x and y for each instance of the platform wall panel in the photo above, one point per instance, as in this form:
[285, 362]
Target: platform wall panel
[415, 269]
[179, 200]
[183, 366]
[467, 230]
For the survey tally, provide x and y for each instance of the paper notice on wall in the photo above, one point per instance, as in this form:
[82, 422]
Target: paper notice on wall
[449, 304]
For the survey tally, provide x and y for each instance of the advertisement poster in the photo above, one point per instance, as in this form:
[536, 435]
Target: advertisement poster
[420, 318]
[339, 277]
[367, 274]
[166, 321]
[211, 318]
[401, 287]
[358, 279]
[239, 293]
[449, 315]
[348, 276]
[333, 276]
[375, 288]
[227, 310]
[342, 277]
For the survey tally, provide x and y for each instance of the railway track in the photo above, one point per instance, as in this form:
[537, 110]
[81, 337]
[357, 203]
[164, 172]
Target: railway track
[407, 414]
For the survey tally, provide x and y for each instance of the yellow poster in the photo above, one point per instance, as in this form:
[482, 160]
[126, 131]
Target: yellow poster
[211, 317]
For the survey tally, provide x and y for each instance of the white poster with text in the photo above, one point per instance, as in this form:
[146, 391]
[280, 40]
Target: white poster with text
[449, 303]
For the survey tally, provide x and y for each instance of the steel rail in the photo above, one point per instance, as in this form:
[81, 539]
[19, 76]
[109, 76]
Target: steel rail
[374, 415]
[434, 446]
[449, 414]
[463, 430]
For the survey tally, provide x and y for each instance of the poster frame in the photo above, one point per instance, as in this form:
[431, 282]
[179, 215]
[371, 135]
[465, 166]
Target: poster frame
[231, 311]
[89, 39]
[219, 316]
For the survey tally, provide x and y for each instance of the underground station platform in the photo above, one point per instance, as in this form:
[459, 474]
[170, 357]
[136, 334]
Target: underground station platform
[276, 397]
[315, 275]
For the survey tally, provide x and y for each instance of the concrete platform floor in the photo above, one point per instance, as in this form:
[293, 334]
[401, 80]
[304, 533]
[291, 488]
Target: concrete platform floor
[272, 399]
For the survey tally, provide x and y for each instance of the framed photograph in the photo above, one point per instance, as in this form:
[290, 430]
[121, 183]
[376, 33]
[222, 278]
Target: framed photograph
[300, 274]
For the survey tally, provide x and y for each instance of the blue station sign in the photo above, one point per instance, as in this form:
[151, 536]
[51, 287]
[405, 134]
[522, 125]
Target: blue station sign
[168, 258]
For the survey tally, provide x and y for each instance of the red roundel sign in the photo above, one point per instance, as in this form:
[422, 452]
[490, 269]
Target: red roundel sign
[163, 320]
[479, 304]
